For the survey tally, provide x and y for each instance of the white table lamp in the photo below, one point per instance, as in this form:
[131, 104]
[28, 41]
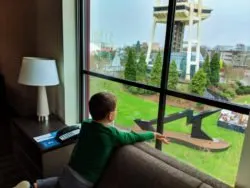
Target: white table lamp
[39, 72]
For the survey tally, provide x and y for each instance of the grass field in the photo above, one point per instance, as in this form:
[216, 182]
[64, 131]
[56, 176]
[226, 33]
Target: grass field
[244, 99]
[222, 165]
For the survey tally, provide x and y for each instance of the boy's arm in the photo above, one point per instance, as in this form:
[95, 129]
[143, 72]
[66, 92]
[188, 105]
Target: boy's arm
[131, 137]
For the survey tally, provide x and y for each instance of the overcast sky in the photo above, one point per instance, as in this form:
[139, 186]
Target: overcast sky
[126, 21]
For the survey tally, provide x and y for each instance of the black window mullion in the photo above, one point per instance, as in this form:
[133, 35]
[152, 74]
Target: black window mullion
[210, 102]
[80, 54]
[122, 81]
[165, 69]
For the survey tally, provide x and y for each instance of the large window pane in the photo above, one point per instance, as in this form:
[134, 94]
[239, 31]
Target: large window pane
[211, 143]
[120, 35]
[210, 49]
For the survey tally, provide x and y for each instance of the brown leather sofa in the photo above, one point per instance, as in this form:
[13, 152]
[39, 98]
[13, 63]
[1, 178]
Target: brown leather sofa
[140, 166]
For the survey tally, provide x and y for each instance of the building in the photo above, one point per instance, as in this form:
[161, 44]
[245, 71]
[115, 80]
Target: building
[156, 46]
[227, 57]
[178, 36]
[187, 13]
[180, 59]
[220, 48]
[115, 67]
[235, 57]
[240, 47]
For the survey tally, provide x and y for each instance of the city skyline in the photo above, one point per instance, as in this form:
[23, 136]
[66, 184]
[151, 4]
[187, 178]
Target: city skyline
[127, 22]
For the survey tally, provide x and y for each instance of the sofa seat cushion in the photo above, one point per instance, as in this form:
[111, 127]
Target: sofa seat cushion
[130, 167]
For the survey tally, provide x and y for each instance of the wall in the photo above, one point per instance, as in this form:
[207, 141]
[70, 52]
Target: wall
[56, 38]
[17, 39]
[49, 43]
[44, 28]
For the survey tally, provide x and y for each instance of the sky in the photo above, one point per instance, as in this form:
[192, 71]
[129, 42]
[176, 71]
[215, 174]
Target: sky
[123, 22]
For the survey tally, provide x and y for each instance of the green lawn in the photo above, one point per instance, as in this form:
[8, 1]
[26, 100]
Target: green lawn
[245, 99]
[222, 165]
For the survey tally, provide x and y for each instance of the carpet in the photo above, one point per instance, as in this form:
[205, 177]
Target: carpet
[10, 172]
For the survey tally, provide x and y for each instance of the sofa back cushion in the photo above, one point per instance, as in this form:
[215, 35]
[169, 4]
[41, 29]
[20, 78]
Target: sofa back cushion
[205, 178]
[130, 167]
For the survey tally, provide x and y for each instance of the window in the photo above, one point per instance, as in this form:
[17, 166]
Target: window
[130, 107]
[119, 44]
[206, 58]
[192, 85]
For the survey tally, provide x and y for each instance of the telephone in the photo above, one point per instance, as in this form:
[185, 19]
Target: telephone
[68, 133]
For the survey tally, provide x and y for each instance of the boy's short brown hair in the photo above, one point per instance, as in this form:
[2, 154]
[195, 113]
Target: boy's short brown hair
[101, 104]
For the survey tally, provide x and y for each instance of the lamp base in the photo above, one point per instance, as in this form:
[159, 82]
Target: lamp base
[43, 118]
[42, 105]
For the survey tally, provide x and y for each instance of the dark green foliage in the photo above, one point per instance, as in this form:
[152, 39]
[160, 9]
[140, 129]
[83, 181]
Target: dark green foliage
[243, 90]
[215, 70]
[138, 47]
[225, 90]
[239, 84]
[155, 78]
[207, 70]
[130, 67]
[141, 71]
[198, 83]
[173, 76]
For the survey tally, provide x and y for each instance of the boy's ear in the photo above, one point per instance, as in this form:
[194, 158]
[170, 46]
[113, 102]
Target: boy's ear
[111, 116]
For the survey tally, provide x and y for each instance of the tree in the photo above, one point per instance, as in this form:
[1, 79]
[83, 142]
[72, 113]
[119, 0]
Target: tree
[155, 76]
[207, 69]
[215, 69]
[138, 47]
[130, 67]
[173, 76]
[141, 71]
[203, 50]
[198, 83]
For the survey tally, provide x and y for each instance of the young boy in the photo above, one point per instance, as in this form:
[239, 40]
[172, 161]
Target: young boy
[97, 140]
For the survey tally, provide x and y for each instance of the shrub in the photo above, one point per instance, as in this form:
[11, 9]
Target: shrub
[132, 89]
[243, 90]
[222, 86]
[234, 85]
[198, 83]
[238, 83]
[230, 92]
[155, 75]
[215, 69]
[200, 106]
[227, 95]
[240, 91]
[173, 76]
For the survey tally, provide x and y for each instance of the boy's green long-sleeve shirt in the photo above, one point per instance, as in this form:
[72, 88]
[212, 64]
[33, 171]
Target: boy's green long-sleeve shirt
[95, 145]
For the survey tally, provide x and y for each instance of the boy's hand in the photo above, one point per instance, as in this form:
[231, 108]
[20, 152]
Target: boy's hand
[161, 137]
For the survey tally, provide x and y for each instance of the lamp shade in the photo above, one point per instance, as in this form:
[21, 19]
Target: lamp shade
[38, 72]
